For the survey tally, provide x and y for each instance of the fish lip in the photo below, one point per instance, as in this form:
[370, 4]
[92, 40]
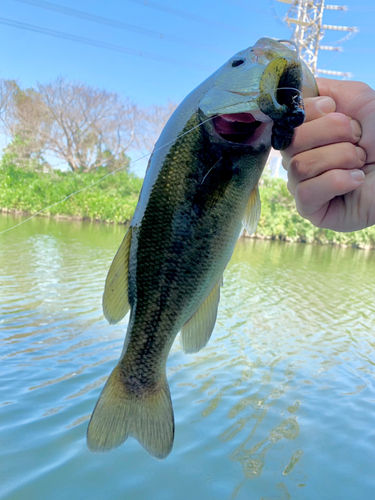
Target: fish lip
[241, 129]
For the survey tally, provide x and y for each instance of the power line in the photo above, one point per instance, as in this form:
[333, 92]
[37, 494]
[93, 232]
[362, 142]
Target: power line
[96, 43]
[87, 16]
[245, 5]
[187, 15]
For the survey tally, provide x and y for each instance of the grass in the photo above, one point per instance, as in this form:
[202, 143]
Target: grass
[114, 200]
[280, 220]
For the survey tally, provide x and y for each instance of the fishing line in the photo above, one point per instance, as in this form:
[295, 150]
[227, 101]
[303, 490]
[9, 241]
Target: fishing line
[290, 88]
[218, 161]
[294, 45]
[131, 163]
[107, 175]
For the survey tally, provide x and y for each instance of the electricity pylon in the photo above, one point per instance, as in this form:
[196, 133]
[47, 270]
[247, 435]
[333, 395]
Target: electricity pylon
[305, 18]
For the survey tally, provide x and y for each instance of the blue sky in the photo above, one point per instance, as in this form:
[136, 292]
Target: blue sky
[168, 47]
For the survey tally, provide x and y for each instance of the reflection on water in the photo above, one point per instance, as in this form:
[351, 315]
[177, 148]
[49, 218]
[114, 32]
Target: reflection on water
[279, 405]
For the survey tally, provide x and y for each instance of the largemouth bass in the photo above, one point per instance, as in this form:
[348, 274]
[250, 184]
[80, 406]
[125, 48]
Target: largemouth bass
[200, 190]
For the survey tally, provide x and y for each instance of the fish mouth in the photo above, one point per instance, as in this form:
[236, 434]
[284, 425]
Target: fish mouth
[239, 128]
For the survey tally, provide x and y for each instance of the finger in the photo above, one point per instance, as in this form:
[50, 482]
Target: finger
[314, 194]
[316, 107]
[313, 163]
[357, 100]
[329, 129]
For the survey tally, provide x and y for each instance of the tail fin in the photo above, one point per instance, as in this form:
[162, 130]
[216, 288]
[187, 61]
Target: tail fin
[119, 414]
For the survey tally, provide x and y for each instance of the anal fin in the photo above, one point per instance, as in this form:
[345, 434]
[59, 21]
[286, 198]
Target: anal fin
[115, 296]
[252, 212]
[197, 331]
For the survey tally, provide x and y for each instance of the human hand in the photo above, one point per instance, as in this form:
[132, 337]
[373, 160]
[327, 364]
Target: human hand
[331, 161]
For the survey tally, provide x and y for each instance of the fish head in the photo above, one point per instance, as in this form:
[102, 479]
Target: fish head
[256, 98]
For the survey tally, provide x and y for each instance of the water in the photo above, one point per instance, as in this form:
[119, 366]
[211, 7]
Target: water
[280, 405]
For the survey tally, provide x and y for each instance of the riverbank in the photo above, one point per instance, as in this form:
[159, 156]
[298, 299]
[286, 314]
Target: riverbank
[280, 220]
[113, 200]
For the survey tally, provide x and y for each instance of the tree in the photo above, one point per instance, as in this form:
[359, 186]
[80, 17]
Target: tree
[83, 126]
[25, 120]
[89, 127]
[154, 119]
[6, 91]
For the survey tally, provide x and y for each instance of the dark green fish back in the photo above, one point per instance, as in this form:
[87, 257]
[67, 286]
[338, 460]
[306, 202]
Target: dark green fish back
[188, 231]
[177, 256]
[169, 268]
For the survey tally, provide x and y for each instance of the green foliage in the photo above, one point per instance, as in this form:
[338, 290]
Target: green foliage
[19, 153]
[280, 220]
[112, 200]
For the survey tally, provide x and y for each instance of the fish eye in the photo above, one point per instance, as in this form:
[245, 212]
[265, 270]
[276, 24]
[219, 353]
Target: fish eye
[237, 62]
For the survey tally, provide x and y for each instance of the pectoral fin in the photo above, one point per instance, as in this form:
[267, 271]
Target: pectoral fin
[115, 296]
[197, 331]
[252, 213]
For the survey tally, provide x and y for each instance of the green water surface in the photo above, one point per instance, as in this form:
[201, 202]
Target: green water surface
[280, 404]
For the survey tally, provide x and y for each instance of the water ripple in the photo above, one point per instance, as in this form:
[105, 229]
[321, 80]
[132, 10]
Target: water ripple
[279, 405]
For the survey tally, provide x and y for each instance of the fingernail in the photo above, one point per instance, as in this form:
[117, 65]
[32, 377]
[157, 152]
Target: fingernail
[326, 105]
[356, 128]
[361, 153]
[357, 175]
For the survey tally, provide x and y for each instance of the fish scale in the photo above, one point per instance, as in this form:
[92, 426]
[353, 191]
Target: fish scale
[198, 193]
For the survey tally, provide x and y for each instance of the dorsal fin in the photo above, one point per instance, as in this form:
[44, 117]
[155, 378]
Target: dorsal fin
[252, 213]
[115, 296]
[197, 331]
